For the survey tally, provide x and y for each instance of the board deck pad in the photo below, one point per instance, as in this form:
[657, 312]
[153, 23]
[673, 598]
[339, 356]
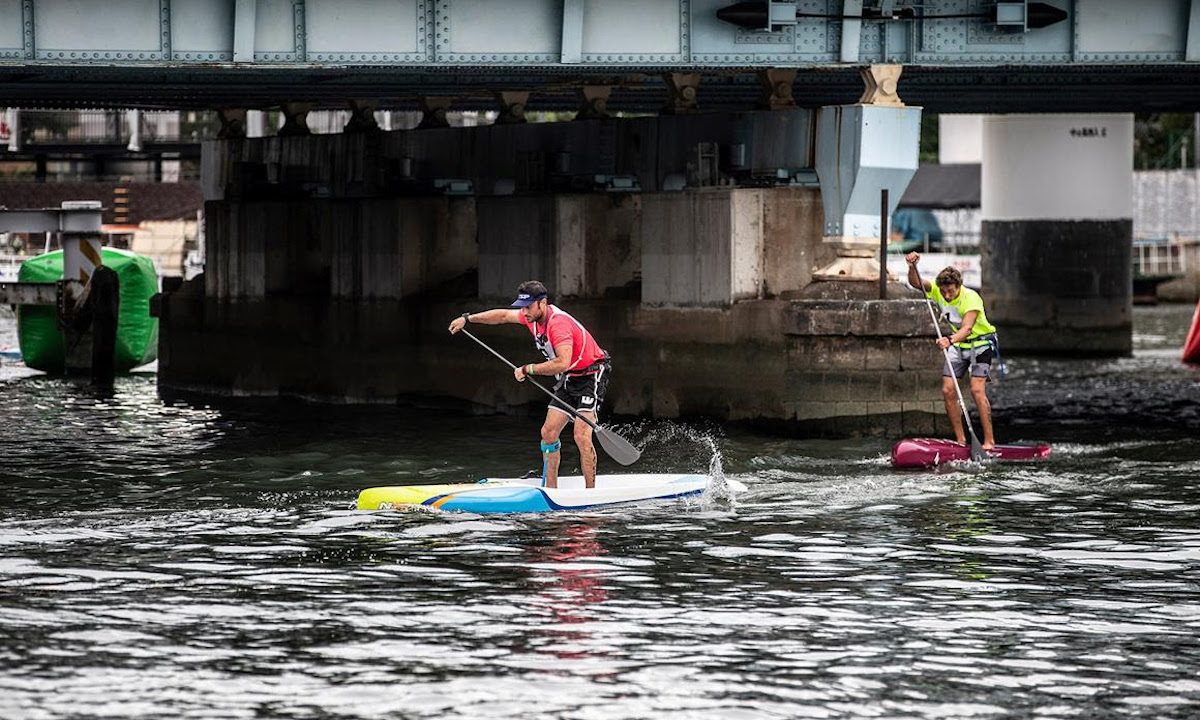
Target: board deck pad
[928, 452]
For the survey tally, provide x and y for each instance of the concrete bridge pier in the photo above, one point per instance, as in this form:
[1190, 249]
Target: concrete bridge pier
[1057, 238]
[861, 360]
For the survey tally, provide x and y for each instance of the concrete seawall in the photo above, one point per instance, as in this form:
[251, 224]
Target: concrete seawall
[795, 364]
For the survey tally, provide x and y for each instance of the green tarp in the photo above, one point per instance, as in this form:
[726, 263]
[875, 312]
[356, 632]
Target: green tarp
[137, 332]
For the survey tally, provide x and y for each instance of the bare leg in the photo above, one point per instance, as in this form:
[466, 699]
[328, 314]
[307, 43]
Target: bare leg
[551, 429]
[979, 393]
[952, 410]
[587, 450]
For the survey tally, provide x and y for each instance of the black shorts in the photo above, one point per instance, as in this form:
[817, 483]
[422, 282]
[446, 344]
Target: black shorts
[583, 393]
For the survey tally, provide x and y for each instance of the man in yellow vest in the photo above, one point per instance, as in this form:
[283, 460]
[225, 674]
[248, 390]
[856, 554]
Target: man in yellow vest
[971, 347]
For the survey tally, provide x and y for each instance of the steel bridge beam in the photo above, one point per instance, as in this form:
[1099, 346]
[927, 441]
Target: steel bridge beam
[259, 53]
[66, 219]
[677, 35]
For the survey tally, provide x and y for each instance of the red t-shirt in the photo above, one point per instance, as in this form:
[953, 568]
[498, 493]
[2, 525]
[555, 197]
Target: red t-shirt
[559, 328]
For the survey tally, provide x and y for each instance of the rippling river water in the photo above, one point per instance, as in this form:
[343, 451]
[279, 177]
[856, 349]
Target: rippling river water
[171, 559]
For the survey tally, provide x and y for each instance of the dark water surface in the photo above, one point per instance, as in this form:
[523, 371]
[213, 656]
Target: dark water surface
[166, 559]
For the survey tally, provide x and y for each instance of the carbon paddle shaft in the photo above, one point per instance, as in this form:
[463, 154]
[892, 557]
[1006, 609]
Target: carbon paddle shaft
[617, 447]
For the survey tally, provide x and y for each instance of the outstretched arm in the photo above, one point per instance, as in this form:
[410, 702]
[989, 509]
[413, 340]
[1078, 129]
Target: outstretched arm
[498, 316]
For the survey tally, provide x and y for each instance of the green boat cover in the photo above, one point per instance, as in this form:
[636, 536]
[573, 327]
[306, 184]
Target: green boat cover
[137, 332]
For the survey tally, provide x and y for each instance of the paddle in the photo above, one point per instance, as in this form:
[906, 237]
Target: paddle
[976, 448]
[617, 447]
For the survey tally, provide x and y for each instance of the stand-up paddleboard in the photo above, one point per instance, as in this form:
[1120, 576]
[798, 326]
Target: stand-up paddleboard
[509, 495]
[927, 452]
[1191, 346]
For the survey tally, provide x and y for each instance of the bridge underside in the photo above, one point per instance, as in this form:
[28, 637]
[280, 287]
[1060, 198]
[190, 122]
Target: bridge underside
[1011, 88]
[959, 55]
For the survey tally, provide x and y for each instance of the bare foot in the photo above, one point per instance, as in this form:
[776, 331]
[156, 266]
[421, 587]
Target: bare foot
[988, 446]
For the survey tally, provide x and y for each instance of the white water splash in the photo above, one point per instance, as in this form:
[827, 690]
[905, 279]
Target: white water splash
[672, 446]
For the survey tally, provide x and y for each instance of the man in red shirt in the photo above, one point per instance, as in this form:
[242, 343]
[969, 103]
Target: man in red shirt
[572, 355]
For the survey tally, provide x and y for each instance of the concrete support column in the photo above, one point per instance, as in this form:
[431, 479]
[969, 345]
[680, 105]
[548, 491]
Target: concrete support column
[702, 247]
[1057, 205]
[134, 119]
[81, 257]
[81, 244]
[12, 117]
[579, 245]
[960, 139]
[256, 123]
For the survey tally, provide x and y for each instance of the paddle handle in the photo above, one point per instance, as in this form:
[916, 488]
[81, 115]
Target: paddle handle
[536, 384]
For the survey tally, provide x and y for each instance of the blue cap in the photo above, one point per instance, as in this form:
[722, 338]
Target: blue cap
[525, 300]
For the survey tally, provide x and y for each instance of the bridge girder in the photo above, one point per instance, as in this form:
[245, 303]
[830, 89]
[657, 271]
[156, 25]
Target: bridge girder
[1105, 55]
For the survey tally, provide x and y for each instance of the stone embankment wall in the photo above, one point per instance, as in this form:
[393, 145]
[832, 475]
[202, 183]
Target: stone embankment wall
[862, 366]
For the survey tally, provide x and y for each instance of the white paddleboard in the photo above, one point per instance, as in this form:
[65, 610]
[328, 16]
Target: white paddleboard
[507, 495]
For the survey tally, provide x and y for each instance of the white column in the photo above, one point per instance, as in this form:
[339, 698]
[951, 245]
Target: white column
[960, 139]
[134, 119]
[1058, 167]
[81, 244]
[256, 123]
[12, 117]
[1057, 208]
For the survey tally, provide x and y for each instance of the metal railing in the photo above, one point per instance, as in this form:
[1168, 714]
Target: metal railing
[10, 265]
[1159, 257]
[110, 127]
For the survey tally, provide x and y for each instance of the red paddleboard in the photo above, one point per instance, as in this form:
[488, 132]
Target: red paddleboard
[1191, 348]
[927, 452]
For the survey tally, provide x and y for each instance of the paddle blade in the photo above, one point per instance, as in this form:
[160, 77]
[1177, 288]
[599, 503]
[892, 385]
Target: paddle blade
[617, 447]
[977, 452]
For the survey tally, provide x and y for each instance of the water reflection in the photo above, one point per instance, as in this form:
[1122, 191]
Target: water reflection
[573, 587]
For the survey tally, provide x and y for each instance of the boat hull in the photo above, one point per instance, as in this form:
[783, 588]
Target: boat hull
[927, 452]
[509, 495]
